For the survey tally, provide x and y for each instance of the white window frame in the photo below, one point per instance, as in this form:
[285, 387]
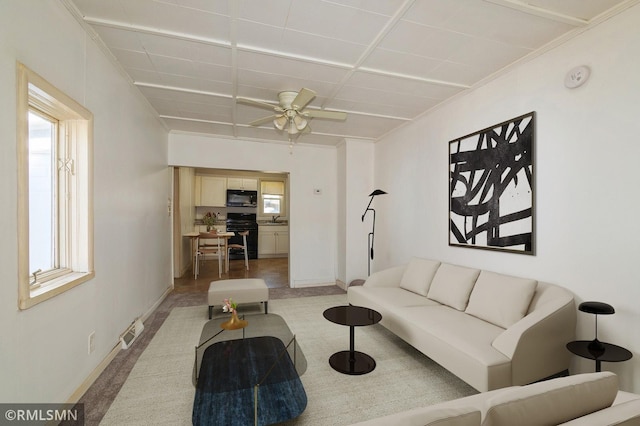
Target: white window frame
[75, 129]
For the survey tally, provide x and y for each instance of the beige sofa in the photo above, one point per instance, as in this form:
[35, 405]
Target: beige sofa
[489, 329]
[586, 399]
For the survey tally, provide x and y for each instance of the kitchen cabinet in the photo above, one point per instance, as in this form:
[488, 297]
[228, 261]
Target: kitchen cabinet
[242, 183]
[211, 191]
[272, 187]
[273, 240]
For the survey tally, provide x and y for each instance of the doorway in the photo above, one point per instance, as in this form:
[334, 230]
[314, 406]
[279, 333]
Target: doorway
[272, 265]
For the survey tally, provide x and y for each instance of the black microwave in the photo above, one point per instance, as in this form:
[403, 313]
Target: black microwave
[240, 198]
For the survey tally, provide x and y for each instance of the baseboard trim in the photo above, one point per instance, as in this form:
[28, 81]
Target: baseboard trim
[86, 384]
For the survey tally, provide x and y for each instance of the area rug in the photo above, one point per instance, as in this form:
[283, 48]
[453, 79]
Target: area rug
[159, 389]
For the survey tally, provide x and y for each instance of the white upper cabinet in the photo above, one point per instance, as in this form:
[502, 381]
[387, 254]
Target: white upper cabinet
[211, 191]
[242, 183]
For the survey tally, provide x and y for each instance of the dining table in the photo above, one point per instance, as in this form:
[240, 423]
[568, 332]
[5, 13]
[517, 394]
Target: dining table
[195, 235]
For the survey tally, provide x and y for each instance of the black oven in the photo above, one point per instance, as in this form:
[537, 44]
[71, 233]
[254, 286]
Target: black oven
[241, 198]
[238, 222]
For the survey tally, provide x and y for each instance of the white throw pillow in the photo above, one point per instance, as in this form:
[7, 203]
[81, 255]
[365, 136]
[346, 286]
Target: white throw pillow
[452, 285]
[418, 275]
[500, 299]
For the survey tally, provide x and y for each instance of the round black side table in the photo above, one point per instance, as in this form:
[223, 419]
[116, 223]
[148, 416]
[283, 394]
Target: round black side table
[352, 362]
[605, 352]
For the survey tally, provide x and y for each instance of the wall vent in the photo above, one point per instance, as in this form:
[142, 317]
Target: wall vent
[131, 333]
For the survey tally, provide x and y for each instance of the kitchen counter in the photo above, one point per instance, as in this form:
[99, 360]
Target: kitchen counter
[270, 223]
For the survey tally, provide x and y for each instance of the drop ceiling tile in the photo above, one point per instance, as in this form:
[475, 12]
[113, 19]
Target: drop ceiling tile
[273, 64]
[383, 7]
[401, 86]
[269, 12]
[171, 65]
[350, 105]
[133, 59]
[487, 55]
[413, 105]
[112, 10]
[434, 12]
[458, 73]
[258, 36]
[218, 7]
[422, 40]
[184, 49]
[279, 83]
[145, 76]
[212, 72]
[332, 20]
[403, 63]
[514, 28]
[116, 38]
[322, 48]
[168, 17]
[583, 9]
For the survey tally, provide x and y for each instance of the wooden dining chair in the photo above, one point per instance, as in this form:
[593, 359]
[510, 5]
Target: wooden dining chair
[242, 246]
[205, 247]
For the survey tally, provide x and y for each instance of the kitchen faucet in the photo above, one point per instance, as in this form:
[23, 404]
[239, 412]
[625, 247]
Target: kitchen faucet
[274, 218]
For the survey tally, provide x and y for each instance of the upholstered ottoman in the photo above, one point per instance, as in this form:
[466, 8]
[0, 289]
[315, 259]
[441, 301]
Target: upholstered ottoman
[244, 290]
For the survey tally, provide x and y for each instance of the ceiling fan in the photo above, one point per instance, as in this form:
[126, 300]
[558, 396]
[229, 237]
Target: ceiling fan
[290, 113]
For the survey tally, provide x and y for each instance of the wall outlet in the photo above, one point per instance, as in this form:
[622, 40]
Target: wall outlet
[91, 344]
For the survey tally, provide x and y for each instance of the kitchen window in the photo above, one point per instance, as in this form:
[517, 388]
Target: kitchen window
[272, 193]
[55, 221]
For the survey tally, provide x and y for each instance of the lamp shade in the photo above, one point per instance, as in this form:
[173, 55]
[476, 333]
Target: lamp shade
[377, 192]
[598, 308]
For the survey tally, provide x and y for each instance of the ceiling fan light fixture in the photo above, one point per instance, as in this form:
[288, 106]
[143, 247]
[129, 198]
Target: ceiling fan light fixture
[280, 122]
[300, 122]
[293, 129]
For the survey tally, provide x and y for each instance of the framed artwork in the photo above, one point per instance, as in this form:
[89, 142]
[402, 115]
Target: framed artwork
[491, 187]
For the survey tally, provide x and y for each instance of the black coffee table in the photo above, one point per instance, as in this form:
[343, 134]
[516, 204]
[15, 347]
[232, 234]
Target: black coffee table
[352, 362]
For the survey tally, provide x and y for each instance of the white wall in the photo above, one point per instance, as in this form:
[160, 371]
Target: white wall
[355, 183]
[587, 179]
[43, 350]
[312, 218]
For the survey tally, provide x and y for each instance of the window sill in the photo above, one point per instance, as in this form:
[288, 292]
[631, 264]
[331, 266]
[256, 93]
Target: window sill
[55, 287]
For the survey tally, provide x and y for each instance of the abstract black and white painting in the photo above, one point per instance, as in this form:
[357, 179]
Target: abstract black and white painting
[491, 186]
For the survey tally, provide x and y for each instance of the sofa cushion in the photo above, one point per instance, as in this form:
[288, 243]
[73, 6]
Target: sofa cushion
[452, 285]
[500, 299]
[427, 416]
[553, 401]
[418, 275]
[626, 414]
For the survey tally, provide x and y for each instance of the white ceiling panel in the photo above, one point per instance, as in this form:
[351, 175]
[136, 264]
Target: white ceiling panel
[383, 62]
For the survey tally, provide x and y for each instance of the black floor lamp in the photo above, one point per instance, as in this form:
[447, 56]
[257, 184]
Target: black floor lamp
[373, 229]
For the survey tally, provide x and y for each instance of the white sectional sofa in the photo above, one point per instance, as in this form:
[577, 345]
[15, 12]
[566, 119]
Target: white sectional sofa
[489, 329]
[583, 400]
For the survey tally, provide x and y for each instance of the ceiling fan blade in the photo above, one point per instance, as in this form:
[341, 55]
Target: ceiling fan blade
[302, 100]
[322, 113]
[259, 104]
[263, 120]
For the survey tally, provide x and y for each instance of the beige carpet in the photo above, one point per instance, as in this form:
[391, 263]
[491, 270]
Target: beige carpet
[159, 389]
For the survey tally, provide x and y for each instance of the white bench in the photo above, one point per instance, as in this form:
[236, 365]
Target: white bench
[244, 290]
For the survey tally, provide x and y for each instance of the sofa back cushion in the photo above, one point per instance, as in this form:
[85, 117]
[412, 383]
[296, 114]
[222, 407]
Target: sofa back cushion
[418, 275]
[452, 285]
[500, 299]
[553, 401]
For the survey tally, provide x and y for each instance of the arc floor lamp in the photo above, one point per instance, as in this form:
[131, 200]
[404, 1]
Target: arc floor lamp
[373, 229]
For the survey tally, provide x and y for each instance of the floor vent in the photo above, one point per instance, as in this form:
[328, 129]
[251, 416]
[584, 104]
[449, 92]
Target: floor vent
[131, 333]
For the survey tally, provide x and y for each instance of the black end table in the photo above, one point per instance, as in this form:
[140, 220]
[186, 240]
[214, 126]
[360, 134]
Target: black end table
[352, 362]
[599, 351]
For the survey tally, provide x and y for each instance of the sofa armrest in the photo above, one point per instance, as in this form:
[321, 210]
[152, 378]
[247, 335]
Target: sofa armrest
[536, 344]
[386, 278]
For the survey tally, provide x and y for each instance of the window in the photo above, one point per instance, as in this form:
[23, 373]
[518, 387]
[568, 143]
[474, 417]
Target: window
[272, 197]
[55, 221]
